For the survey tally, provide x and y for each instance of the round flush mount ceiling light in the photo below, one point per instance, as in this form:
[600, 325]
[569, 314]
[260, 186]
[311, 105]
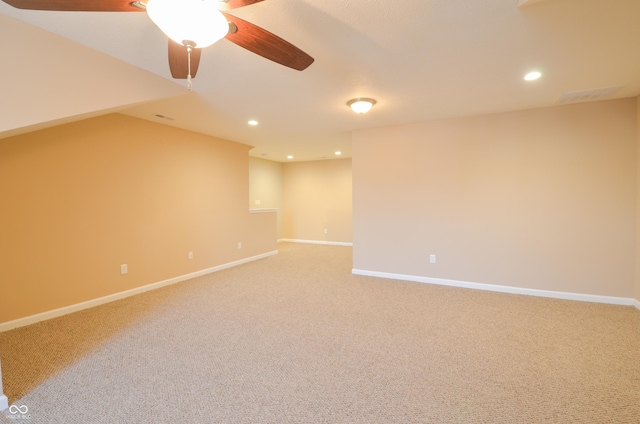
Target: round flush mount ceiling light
[361, 105]
[531, 76]
[253, 122]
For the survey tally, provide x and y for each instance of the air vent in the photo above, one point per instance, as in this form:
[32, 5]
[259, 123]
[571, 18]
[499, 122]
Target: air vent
[159, 115]
[588, 95]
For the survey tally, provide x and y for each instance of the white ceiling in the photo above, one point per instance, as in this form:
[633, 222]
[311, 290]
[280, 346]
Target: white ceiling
[421, 60]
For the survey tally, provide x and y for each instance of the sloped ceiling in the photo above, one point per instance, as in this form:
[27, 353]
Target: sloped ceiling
[48, 79]
[421, 60]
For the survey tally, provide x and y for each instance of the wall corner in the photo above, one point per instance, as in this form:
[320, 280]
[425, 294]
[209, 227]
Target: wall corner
[636, 291]
[4, 402]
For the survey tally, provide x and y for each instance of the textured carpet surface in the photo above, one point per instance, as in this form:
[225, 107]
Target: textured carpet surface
[296, 338]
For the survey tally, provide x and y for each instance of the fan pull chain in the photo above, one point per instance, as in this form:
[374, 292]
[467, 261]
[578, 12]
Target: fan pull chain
[189, 84]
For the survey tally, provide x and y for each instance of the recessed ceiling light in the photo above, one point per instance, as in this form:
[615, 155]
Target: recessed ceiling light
[338, 153]
[253, 122]
[289, 157]
[532, 76]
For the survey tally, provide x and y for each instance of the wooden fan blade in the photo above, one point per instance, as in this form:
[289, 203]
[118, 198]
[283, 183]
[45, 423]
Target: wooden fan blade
[263, 43]
[76, 5]
[234, 4]
[179, 62]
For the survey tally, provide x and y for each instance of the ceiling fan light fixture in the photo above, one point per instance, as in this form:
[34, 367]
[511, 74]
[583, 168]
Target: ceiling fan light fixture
[361, 105]
[197, 21]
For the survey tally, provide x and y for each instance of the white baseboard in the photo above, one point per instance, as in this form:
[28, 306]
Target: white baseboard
[636, 303]
[21, 322]
[330, 243]
[503, 289]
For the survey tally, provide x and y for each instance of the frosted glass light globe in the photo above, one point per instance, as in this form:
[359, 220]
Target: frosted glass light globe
[361, 105]
[198, 21]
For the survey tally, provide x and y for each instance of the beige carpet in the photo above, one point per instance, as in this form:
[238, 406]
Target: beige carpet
[295, 338]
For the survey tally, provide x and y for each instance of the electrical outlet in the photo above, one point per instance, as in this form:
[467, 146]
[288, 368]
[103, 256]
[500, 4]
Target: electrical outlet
[432, 259]
[123, 269]
[190, 255]
[239, 245]
[326, 231]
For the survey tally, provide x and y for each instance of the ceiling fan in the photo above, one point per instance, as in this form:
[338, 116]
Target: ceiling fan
[184, 62]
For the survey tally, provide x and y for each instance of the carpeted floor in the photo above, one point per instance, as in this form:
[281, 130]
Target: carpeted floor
[296, 338]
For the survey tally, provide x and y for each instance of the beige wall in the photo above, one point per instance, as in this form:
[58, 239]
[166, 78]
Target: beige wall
[637, 286]
[317, 196]
[542, 199]
[80, 199]
[265, 186]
